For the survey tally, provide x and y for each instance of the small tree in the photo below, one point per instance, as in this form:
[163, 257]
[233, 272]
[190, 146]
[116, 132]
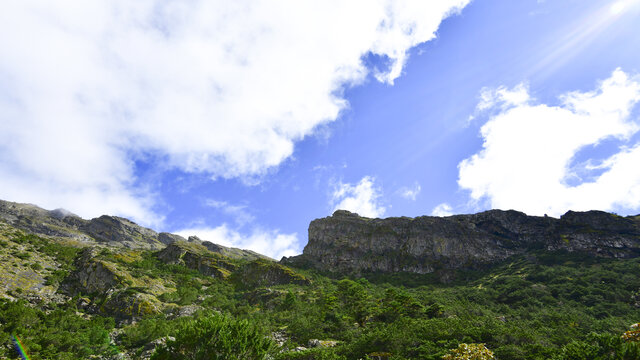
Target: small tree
[469, 352]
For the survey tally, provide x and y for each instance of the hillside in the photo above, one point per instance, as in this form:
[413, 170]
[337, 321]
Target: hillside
[66, 294]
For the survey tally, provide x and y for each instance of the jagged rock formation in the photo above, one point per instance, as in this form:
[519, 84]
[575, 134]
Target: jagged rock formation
[106, 230]
[347, 242]
[197, 257]
[230, 252]
[94, 275]
[267, 273]
[113, 229]
[168, 238]
[129, 304]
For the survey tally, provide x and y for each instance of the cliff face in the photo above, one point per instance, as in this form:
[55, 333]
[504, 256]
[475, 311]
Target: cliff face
[104, 230]
[346, 242]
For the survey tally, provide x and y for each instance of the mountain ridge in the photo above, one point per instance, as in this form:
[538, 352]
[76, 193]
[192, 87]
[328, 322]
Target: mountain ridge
[106, 230]
[68, 295]
[349, 243]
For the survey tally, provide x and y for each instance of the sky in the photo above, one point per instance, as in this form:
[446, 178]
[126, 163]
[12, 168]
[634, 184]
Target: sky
[240, 122]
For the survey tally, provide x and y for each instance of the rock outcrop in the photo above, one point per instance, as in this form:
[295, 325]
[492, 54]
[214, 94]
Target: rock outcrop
[234, 253]
[108, 230]
[121, 231]
[196, 257]
[105, 230]
[267, 273]
[347, 242]
[93, 275]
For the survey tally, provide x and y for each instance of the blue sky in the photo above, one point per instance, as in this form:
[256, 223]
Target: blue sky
[243, 122]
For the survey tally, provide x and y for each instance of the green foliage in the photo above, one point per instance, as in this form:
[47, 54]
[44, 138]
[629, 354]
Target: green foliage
[355, 300]
[543, 306]
[311, 354]
[146, 331]
[58, 334]
[62, 253]
[216, 337]
[186, 293]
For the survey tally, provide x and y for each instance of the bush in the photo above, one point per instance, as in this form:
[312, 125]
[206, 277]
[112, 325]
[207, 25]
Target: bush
[216, 337]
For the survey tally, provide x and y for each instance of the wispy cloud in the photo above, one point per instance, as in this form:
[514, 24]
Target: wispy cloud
[529, 152]
[223, 88]
[240, 213]
[410, 192]
[362, 198]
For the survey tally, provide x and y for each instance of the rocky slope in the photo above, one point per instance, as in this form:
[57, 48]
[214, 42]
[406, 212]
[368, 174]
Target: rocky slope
[347, 242]
[104, 230]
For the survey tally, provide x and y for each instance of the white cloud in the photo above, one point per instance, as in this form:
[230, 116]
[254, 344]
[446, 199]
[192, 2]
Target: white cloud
[503, 97]
[528, 150]
[361, 198]
[239, 212]
[267, 242]
[443, 209]
[410, 193]
[219, 87]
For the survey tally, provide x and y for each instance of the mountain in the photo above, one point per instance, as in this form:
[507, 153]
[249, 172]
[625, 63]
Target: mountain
[104, 230]
[348, 243]
[525, 288]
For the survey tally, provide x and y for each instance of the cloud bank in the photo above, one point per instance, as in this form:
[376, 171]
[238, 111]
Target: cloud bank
[224, 88]
[533, 157]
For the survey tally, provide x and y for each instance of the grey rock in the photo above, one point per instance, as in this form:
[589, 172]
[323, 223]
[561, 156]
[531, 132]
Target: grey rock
[346, 242]
[117, 231]
[168, 238]
[61, 223]
[313, 343]
[234, 253]
[197, 257]
[93, 275]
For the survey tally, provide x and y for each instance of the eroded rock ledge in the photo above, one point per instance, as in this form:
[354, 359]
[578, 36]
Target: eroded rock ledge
[347, 242]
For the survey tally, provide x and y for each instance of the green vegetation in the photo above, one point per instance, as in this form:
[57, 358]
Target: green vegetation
[57, 333]
[216, 337]
[539, 306]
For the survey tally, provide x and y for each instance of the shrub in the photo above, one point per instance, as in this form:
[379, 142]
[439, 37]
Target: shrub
[216, 337]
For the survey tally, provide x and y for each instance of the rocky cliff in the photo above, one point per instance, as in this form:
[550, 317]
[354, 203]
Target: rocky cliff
[347, 242]
[104, 230]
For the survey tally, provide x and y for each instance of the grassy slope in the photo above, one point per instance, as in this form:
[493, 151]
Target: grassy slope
[536, 307]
